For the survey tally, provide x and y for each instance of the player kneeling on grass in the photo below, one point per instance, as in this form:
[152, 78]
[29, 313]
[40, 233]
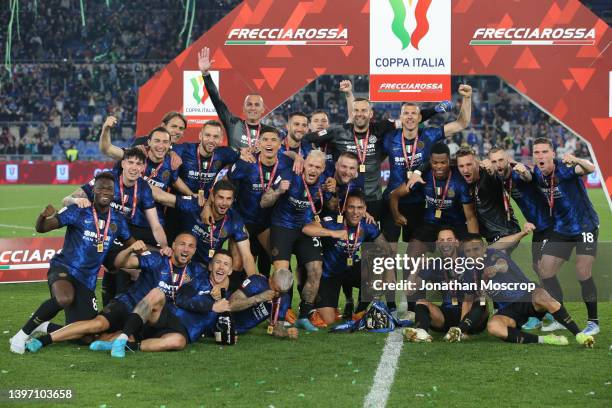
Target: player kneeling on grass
[259, 298]
[516, 304]
[457, 315]
[73, 272]
[159, 323]
[156, 271]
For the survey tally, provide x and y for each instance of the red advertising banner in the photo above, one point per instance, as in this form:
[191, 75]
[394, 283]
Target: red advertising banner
[41, 172]
[27, 259]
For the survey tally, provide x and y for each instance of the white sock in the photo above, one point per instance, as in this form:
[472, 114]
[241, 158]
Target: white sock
[540, 339]
[42, 327]
[21, 335]
[122, 336]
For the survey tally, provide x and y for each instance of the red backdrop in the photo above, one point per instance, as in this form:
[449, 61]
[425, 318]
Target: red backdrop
[568, 82]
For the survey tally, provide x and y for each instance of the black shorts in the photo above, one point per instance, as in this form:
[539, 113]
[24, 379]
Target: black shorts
[538, 240]
[143, 234]
[254, 230]
[520, 312]
[116, 312]
[414, 214]
[84, 306]
[561, 246]
[452, 318]
[428, 234]
[329, 288]
[167, 323]
[285, 241]
[375, 209]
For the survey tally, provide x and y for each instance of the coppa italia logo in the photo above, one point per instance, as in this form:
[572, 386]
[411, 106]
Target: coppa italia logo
[533, 36]
[199, 93]
[399, 20]
[289, 36]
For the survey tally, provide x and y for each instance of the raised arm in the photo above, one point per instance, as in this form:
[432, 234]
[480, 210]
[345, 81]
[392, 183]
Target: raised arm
[47, 220]
[205, 63]
[105, 145]
[346, 87]
[78, 197]
[582, 166]
[465, 114]
[127, 258]
[269, 198]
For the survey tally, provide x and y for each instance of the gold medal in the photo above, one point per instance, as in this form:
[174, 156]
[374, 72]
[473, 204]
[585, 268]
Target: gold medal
[483, 301]
[317, 218]
[362, 168]
[270, 329]
[438, 213]
[408, 175]
[349, 261]
[454, 301]
[201, 193]
[100, 247]
[339, 219]
[211, 253]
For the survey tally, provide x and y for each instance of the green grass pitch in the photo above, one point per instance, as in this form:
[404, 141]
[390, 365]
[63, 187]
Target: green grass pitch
[318, 370]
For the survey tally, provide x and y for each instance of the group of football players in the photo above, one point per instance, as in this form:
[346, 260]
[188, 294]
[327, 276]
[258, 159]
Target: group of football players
[157, 225]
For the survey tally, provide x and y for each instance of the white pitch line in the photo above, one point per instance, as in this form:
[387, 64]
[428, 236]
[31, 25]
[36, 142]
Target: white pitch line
[385, 372]
[16, 226]
[19, 208]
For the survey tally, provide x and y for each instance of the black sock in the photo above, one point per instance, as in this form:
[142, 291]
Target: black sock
[53, 327]
[133, 345]
[109, 287]
[566, 320]
[46, 311]
[553, 287]
[391, 306]
[517, 336]
[133, 324]
[422, 317]
[474, 316]
[264, 264]
[305, 309]
[589, 295]
[45, 340]
[347, 289]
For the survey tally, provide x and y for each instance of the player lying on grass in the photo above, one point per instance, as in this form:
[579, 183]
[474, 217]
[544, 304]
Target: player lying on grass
[260, 298]
[457, 315]
[516, 305]
[156, 271]
[73, 272]
[167, 319]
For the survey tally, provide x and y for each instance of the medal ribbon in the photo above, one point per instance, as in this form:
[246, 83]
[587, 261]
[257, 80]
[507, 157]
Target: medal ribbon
[108, 219]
